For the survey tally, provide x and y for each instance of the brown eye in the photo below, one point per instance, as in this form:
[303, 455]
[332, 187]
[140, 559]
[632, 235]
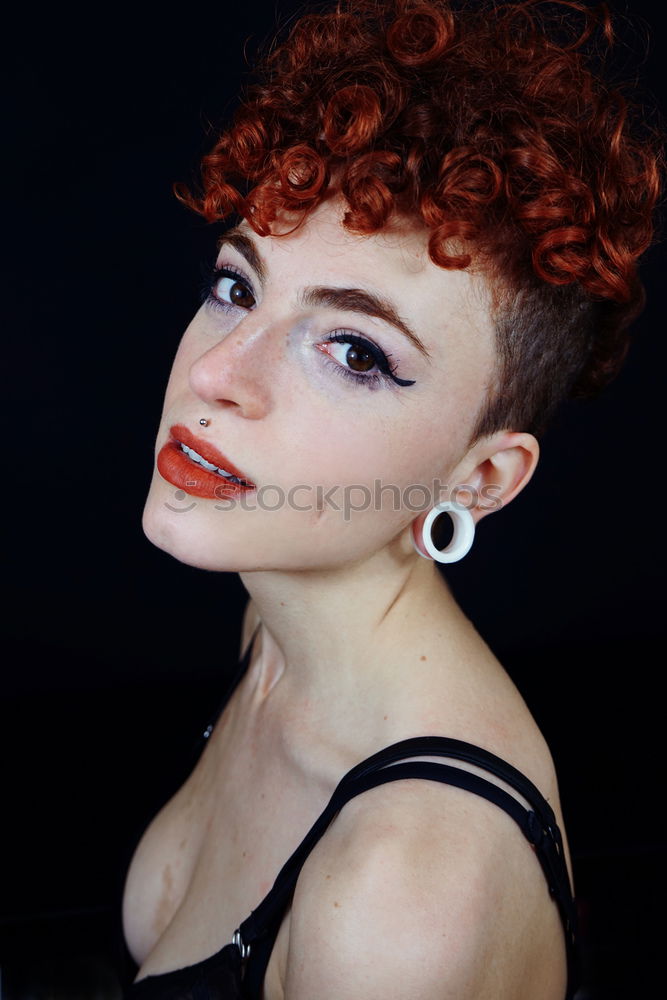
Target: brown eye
[225, 289]
[359, 360]
[240, 295]
[354, 357]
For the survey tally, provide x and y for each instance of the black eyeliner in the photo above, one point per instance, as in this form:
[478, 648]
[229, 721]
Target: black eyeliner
[380, 358]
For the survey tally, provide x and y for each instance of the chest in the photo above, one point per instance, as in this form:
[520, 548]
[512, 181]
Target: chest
[213, 852]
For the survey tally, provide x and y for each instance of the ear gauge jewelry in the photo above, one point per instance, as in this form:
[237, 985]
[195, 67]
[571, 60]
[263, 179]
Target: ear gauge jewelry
[462, 539]
[204, 422]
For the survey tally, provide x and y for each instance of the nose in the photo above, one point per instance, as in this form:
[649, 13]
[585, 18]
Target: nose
[238, 371]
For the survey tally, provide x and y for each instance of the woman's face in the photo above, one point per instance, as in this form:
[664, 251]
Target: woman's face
[317, 400]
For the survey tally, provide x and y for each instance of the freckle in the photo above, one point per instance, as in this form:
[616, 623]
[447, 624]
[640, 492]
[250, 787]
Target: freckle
[244, 854]
[328, 876]
[337, 905]
[386, 717]
[422, 657]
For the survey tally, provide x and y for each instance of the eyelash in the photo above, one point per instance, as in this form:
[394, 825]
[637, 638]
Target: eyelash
[212, 275]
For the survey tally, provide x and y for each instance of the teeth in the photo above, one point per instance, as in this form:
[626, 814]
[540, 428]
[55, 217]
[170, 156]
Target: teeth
[196, 457]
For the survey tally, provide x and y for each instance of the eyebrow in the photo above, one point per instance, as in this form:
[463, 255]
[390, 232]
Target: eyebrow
[357, 300]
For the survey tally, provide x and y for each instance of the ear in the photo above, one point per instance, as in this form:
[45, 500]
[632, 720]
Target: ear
[495, 470]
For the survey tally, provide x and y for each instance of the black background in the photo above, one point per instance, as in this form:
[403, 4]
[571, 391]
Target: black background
[102, 700]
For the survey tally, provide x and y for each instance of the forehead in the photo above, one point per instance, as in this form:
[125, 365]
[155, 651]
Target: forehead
[446, 307]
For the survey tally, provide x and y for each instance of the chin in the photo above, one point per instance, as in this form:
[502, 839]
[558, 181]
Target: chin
[178, 528]
[198, 534]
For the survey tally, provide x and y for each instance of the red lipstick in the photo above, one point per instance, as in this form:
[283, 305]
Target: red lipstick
[180, 470]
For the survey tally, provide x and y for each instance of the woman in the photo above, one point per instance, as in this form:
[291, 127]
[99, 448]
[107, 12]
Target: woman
[438, 217]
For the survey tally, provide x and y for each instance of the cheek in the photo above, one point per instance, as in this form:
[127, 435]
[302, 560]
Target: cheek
[370, 454]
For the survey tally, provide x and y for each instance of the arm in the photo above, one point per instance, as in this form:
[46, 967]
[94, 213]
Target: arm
[421, 892]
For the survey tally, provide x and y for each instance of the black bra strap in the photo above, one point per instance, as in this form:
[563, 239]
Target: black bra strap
[537, 823]
[440, 746]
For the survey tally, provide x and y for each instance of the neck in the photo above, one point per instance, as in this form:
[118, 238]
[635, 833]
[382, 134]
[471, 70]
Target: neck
[321, 629]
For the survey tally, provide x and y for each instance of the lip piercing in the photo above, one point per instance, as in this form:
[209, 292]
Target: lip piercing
[204, 422]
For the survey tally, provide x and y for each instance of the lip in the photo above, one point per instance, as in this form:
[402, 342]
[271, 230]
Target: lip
[179, 470]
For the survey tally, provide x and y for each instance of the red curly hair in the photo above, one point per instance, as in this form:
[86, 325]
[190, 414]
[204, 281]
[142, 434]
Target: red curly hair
[487, 122]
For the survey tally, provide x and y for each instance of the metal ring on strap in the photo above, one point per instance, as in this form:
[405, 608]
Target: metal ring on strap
[243, 948]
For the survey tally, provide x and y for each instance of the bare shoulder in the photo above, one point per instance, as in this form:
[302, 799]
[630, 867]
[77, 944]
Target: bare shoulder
[422, 890]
